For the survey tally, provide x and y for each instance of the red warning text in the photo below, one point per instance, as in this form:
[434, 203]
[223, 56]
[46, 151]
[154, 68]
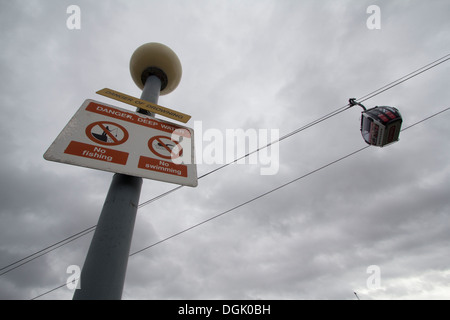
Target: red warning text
[136, 119]
[98, 153]
[162, 166]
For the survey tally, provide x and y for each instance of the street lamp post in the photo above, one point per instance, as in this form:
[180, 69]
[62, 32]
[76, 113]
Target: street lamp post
[156, 70]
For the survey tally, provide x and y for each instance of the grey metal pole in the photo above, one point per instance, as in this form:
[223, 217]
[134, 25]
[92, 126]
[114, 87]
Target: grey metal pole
[104, 270]
[151, 92]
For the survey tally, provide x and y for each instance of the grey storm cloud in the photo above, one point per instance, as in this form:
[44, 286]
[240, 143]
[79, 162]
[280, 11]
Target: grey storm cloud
[246, 65]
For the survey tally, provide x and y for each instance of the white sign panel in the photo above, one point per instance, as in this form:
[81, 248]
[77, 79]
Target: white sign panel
[104, 137]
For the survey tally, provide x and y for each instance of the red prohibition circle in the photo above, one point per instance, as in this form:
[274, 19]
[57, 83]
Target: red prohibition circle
[161, 142]
[103, 138]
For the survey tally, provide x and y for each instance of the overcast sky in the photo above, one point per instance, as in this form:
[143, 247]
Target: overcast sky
[249, 64]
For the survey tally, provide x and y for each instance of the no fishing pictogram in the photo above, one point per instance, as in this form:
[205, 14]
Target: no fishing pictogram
[107, 133]
[165, 147]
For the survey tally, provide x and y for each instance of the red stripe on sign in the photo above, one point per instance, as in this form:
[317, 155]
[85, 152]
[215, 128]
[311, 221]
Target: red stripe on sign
[162, 166]
[85, 150]
[136, 119]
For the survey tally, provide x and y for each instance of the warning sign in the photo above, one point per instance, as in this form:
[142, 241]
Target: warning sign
[165, 147]
[104, 137]
[107, 133]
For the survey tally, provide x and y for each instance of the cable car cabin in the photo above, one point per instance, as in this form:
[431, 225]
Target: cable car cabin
[381, 126]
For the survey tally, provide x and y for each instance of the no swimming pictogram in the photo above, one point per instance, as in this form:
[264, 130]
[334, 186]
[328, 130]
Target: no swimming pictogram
[107, 133]
[165, 147]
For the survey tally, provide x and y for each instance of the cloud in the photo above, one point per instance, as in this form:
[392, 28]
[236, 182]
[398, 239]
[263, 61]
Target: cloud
[249, 65]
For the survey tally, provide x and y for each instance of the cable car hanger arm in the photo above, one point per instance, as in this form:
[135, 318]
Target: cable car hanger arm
[353, 102]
